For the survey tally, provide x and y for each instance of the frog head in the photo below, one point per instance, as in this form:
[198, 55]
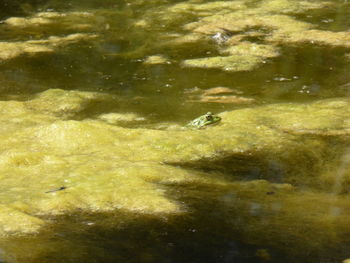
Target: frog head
[204, 120]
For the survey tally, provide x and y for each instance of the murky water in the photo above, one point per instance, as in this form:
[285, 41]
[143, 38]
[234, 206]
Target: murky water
[139, 54]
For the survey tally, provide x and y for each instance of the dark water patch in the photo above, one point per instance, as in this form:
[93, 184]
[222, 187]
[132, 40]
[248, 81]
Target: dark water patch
[136, 6]
[334, 18]
[223, 225]
[302, 73]
[19, 7]
[141, 238]
[306, 73]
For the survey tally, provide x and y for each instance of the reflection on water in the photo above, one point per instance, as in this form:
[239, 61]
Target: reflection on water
[268, 184]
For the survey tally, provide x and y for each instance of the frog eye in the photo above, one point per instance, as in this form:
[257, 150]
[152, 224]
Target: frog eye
[209, 117]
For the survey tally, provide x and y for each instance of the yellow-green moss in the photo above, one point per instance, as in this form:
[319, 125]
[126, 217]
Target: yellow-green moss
[121, 168]
[227, 63]
[242, 57]
[164, 174]
[155, 60]
[65, 104]
[10, 50]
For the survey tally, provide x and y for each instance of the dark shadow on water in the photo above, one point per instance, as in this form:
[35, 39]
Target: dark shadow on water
[142, 239]
[215, 229]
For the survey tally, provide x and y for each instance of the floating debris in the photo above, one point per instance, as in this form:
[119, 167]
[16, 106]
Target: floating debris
[156, 59]
[56, 190]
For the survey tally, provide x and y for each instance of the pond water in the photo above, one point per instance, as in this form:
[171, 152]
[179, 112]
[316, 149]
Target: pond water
[95, 94]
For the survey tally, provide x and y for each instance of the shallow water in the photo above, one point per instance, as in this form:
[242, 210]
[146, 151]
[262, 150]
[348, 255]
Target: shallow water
[227, 227]
[300, 73]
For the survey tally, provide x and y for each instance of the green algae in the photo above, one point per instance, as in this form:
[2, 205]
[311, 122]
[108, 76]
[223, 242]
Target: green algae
[203, 9]
[199, 21]
[106, 168]
[122, 168]
[66, 104]
[40, 23]
[286, 6]
[243, 57]
[155, 60]
[44, 18]
[46, 32]
[10, 50]
[271, 17]
[229, 63]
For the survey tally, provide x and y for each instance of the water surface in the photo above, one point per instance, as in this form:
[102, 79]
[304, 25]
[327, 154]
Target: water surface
[227, 225]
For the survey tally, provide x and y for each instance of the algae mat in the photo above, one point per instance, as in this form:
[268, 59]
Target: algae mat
[158, 175]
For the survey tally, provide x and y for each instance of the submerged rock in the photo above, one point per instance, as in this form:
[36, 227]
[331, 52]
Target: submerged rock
[121, 118]
[225, 99]
[217, 95]
[221, 91]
